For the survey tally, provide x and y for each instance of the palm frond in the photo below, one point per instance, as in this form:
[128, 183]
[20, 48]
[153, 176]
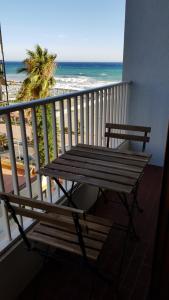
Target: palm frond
[39, 66]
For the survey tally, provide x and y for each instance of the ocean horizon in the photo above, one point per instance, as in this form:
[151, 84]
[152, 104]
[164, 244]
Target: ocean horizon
[74, 75]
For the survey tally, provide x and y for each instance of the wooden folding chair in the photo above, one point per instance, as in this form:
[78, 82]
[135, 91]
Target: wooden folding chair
[111, 132]
[61, 227]
[129, 133]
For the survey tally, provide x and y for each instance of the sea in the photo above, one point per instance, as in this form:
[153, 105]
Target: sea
[74, 75]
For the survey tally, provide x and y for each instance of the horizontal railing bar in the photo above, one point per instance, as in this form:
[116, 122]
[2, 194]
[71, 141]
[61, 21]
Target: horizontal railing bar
[33, 103]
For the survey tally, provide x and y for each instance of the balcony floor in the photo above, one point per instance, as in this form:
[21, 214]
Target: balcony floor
[62, 280]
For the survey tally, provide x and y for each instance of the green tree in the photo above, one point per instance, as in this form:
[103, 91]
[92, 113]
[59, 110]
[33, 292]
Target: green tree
[39, 67]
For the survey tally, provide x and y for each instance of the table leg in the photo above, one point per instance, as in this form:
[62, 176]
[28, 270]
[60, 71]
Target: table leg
[140, 210]
[67, 194]
[130, 212]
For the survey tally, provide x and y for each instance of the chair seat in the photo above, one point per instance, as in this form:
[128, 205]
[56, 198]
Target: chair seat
[65, 237]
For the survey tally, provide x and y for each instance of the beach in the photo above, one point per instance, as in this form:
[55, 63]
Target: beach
[70, 76]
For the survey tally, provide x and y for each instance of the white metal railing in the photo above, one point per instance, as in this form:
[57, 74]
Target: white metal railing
[78, 117]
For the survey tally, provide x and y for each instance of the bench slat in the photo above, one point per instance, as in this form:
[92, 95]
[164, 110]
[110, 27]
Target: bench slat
[66, 236]
[63, 245]
[128, 127]
[130, 137]
[48, 207]
[98, 236]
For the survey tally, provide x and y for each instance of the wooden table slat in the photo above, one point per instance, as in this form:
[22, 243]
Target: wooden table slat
[103, 163]
[107, 158]
[142, 159]
[99, 166]
[116, 150]
[89, 180]
[106, 169]
[93, 173]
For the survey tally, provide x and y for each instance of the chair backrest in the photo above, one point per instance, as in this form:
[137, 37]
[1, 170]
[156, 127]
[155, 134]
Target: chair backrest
[40, 210]
[111, 132]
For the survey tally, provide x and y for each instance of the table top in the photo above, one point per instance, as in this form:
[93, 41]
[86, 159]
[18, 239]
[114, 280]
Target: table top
[103, 167]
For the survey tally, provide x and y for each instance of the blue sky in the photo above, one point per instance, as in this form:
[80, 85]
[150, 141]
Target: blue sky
[77, 30]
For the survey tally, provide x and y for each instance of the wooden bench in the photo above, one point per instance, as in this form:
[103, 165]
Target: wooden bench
[111, 132]
[61, 227]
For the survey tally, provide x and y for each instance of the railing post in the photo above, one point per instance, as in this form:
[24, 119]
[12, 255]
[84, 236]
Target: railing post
[62, 122]
[12, 158]
[25, 153]
[92, 119]
[46, 149]
[76, 120]
[104, 116]
[81, 120]
[96, 116]
[5, 218]
[54, 128]
[36, 148]
[100, 118]
[87, 118]
[69, 122]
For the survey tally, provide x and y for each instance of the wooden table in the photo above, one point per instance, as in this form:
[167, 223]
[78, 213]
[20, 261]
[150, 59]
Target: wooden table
[102, 167]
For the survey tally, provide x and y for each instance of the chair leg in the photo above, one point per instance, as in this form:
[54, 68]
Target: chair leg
[98, 194]
[123, 255]
[136, 204]
[130, 212]
[106, 200]
[140, 209]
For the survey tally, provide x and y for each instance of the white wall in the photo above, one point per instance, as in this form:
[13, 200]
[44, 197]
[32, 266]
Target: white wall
[146, 63]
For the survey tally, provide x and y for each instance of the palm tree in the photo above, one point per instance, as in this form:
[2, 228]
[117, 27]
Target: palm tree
[39, 67]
